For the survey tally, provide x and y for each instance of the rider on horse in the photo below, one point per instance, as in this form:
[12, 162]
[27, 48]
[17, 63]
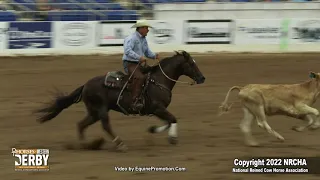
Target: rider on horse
[135, 48]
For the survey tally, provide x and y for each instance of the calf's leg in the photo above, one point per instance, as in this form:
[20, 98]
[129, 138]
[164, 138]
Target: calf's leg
[259, 112]
[308, 111]
[245, 127]
[315, 125]
[266, 125]
[301, 128]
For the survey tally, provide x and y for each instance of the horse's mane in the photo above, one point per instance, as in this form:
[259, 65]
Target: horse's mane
[164, 62]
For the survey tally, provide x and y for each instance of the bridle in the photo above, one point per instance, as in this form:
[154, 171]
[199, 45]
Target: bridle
[182, 82]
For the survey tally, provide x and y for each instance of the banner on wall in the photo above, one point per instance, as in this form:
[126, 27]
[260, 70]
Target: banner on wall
[29, 35]
[258, 31]
[74, 34]
[3, 35]
[162, 32]
[208, 31]
[113, 33]
[304, 31]
[165, 32]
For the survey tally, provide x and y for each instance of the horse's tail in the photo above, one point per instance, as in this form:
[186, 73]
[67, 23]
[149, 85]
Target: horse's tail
[60, 102]
[224, 107]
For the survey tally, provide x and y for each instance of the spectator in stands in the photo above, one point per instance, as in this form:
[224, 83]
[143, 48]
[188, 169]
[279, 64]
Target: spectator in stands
[42, 8]
[4, 6]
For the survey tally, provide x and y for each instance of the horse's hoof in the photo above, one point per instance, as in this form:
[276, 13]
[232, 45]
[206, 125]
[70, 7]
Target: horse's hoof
[152, 129]
[173, 140]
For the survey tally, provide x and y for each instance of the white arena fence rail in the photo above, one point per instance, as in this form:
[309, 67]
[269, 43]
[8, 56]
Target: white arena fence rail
[194, 35]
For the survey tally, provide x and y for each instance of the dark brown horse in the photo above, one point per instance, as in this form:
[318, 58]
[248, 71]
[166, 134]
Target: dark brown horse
[103, 93]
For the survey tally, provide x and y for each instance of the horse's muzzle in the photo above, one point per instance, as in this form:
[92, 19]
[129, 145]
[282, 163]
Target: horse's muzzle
[200, 80]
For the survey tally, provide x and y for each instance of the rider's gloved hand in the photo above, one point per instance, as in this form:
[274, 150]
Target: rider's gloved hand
[142, 60]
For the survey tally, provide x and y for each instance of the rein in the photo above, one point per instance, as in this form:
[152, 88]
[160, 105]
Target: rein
[182, 82]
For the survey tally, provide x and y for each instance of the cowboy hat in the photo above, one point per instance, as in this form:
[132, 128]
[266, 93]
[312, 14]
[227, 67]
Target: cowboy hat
[141, 23]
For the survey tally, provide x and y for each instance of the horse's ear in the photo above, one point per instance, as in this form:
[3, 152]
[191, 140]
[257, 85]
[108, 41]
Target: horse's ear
[183, 52]
[177, 53]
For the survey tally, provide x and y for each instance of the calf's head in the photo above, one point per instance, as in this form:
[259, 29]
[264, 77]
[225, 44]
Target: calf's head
[315, 77]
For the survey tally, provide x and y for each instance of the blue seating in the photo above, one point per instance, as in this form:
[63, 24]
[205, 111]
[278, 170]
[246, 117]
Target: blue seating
[90, 16]
[7, 16]
[146, 3]
[121, 15]
[71, 16]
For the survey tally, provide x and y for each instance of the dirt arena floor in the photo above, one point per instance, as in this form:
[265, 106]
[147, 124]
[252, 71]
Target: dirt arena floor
[207, 144]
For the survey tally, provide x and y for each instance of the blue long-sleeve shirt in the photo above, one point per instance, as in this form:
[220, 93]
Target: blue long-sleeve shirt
[136, 46]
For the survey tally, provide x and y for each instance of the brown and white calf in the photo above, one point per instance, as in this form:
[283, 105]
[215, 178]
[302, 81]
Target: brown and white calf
[261, 100]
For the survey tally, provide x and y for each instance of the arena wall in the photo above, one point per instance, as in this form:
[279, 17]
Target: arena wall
[276, 35]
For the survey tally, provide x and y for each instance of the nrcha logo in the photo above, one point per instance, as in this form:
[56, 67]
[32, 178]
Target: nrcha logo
[31, 159]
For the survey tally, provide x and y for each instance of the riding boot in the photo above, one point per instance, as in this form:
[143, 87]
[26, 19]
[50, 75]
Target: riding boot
[136, 105]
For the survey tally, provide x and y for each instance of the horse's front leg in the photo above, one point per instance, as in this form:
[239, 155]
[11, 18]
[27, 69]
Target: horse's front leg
[165, 115]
